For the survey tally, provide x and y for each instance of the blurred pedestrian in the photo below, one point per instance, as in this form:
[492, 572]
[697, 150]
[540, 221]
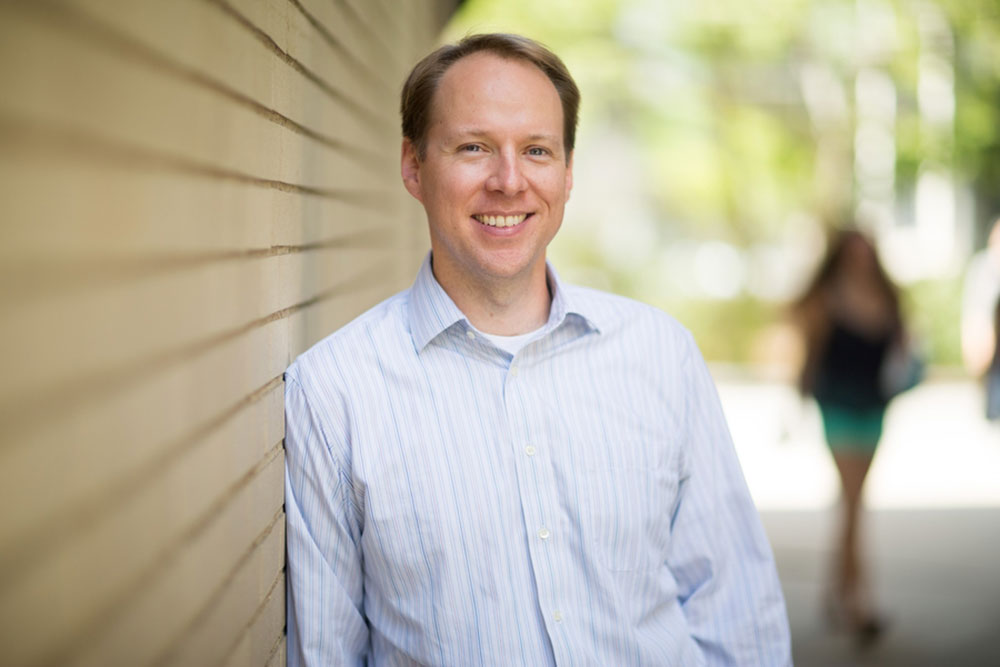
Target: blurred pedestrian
[980, 304]
[850, 318]
[992, 378]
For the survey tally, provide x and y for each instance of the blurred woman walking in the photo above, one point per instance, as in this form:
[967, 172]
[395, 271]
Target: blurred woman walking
[850, 319]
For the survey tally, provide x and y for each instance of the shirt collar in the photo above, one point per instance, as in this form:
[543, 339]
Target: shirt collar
[432, 311]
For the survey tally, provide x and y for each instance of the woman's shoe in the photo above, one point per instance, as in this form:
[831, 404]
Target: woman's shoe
[868, 630]
[845, 613]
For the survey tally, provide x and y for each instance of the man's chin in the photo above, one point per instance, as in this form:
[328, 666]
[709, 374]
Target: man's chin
[514, 272]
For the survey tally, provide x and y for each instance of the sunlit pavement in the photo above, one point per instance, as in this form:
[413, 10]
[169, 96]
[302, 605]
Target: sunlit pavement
[933, 533]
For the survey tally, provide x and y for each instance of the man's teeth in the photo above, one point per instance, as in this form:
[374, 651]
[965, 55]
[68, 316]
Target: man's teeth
[501, 220]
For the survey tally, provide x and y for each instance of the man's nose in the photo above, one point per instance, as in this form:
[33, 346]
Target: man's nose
[508, 176]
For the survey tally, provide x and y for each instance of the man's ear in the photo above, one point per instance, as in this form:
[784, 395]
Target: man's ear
[410, 169]
[569, 175]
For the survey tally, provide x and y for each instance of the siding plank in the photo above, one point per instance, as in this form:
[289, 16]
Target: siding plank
[144, 628]
[67, 205]
[141, 536]
[279, 655]
[265, 636]
[363, 40]
[128, 429]
[96, 94]
[124, 328]
[179, 34]
[289, 25]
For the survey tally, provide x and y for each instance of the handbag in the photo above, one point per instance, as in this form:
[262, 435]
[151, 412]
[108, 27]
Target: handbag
[902, 369]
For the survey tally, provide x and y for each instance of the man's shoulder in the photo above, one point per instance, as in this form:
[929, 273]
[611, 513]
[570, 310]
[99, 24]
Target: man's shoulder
[355, 342]
[624, 314]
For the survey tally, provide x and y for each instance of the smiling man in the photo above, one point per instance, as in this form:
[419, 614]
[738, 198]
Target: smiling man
[494, 467]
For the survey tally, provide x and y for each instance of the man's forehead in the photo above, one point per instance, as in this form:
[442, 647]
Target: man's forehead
[487, 67]
[480, 82]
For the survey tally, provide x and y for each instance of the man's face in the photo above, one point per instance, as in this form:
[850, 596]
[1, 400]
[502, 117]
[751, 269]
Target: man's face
[495, 177]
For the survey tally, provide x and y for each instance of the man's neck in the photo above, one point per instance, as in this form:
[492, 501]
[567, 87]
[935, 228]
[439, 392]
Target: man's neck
[506, 308]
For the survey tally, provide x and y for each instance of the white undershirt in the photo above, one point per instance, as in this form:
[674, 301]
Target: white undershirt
[512, 344]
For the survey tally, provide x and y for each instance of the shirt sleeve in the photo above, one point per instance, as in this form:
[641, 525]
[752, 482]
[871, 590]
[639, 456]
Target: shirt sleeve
[326, 622]
[719, 555]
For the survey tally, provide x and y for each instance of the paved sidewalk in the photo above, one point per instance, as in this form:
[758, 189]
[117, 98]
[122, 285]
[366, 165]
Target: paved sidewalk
[936, 576]
[933, 532]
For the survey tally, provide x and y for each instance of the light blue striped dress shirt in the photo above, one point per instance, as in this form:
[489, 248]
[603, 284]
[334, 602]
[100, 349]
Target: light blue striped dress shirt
[579, 503]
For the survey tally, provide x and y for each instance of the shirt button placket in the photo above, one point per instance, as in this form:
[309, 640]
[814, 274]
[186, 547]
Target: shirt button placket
[537, 471]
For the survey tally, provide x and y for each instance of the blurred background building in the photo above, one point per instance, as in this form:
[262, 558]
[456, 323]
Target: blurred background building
[195, 191]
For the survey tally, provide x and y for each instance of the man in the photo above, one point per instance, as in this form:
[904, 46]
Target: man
[494, 467]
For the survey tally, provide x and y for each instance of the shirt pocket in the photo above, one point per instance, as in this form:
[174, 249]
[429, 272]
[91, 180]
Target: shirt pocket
[627, 516]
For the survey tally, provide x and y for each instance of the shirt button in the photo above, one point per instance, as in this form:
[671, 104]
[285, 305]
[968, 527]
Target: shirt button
[557, 616]
[470, 334]
[544, 533]
[530, 450]
[513, 371]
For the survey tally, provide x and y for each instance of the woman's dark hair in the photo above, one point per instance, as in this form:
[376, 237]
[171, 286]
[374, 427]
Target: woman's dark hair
[837, 247]
[811, 309]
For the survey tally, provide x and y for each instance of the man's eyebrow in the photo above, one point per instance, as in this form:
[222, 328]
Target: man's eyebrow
[468, 132]
[544, 137]
[479, 132]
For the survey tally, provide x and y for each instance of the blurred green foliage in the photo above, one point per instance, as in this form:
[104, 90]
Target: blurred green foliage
[714, 326]
[932, 309]
[712, 99]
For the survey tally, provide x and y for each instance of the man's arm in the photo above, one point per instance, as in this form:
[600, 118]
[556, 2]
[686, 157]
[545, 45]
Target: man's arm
[326, 623]
[720, 557]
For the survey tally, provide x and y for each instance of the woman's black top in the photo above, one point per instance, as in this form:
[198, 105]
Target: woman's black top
[849, 368]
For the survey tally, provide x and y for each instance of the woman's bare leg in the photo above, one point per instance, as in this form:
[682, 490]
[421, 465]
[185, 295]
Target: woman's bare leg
[852, 469]
[850, 579]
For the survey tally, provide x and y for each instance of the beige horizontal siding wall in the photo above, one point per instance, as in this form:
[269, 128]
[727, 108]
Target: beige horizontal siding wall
[192, 192]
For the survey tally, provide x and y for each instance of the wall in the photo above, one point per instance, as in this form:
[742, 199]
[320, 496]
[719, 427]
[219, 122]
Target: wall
[191, 193]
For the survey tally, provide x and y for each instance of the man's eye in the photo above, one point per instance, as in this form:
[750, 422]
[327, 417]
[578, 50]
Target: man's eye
[472, 148]
[537, 151]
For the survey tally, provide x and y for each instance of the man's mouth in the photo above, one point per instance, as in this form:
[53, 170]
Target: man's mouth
[501, 220]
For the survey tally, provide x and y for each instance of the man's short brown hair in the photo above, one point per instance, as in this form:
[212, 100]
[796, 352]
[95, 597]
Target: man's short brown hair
[418, 92]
